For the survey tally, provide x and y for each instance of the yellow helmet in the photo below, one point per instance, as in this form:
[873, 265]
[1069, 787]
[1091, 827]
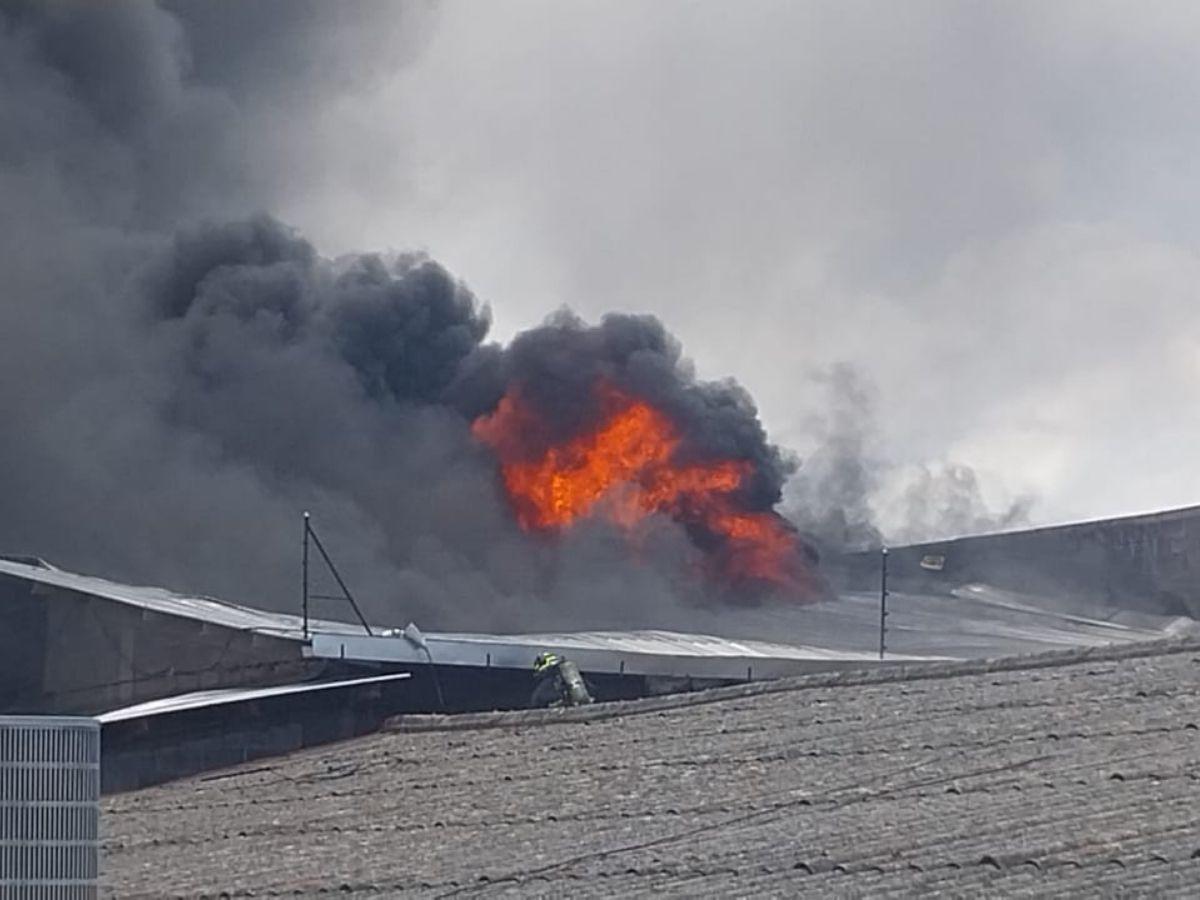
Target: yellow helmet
[544, 661]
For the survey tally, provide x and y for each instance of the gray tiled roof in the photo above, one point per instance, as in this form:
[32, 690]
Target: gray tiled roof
[1080, 777]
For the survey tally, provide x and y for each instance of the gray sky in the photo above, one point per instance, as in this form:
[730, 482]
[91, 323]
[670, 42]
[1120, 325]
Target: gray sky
[987, 208]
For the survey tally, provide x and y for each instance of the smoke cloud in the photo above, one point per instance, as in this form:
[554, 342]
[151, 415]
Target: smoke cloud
[181, 375]
[179, 387]
[850, 494]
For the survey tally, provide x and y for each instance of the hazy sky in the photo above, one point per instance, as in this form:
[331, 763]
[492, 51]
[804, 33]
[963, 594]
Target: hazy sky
[989, 209]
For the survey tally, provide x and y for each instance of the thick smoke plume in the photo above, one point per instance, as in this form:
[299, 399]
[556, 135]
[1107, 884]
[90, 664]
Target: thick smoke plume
[361, 378]
[180, 378]
[255, 378]
[181, 375]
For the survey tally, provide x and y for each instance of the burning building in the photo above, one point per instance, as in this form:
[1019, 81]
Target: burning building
[630, 463]
[579, 476]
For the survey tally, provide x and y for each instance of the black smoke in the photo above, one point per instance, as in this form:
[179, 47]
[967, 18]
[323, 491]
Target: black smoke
[557, 366]
[181, 377]
[361, 377]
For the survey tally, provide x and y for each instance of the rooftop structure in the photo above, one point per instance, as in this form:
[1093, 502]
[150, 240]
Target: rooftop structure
[187, 684]
[1077, 772]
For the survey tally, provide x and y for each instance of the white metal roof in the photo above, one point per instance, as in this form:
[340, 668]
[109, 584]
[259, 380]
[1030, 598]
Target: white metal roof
[200, 699]
[655, 653]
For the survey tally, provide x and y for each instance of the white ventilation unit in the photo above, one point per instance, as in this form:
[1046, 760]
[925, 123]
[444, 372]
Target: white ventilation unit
[49, 807]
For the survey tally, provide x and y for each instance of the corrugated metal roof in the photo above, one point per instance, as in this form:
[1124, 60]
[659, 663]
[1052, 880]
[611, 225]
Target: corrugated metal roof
[201, 699]
[655, 653]
[972, 621]
[666, 643]
[660, 653]
[160, 600]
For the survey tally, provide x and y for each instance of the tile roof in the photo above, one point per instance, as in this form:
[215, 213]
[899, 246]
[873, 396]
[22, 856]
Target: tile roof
[1081, 774]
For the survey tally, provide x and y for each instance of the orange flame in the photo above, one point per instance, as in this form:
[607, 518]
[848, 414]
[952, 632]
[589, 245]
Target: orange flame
[624, 469]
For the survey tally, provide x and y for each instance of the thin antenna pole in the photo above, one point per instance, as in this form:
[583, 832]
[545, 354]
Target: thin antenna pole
[332, 568]
[437, 683]
[305, 568]
[883, 595]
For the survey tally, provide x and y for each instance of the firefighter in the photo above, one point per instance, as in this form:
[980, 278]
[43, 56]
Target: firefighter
[558, 683]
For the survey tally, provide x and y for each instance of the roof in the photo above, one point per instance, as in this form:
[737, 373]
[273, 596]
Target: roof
[965, 621]
[165, 706]
[771, 641]
[1073, 773]
[655, 653]
[160, 600]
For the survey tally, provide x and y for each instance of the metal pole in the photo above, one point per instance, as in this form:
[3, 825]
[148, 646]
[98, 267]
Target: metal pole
[883, 595]
[305, 566]
[338, 578]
